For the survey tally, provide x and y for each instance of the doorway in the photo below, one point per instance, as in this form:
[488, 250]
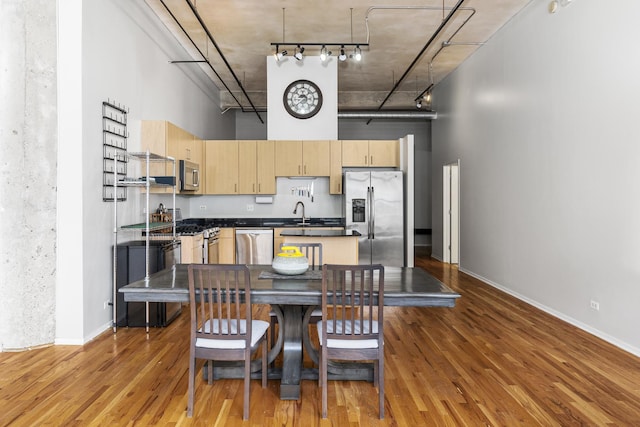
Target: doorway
[451, 212]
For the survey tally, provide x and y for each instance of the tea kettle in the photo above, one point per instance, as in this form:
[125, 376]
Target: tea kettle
[290, 261]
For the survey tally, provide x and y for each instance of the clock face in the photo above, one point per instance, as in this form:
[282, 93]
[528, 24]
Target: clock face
[302, 99]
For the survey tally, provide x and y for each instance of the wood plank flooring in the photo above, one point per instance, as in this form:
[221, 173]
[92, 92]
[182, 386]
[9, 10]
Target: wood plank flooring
[490, 361]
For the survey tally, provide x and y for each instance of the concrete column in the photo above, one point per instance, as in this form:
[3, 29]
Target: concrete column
[28, 151]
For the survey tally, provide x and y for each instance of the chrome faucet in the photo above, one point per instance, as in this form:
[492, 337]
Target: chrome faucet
[295, 211]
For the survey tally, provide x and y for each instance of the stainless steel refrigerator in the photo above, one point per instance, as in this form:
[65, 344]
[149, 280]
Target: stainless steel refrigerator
[374, 206]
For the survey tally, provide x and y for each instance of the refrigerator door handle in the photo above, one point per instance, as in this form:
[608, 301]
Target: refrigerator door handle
[372, 222]
[368, 212]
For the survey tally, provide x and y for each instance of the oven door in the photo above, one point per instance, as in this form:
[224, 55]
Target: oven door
[212, 250]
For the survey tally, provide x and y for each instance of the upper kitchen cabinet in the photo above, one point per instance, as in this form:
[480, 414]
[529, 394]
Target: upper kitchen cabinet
[184, 146]
[266, 167]
[240, 167]
[166, 139]
[370, 153]
[154, 136]
[256, 168]
[335, 177]
[221, 160]
[303, 158]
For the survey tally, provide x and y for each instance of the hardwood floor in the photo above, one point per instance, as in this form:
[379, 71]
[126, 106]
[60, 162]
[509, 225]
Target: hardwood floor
[492, 360]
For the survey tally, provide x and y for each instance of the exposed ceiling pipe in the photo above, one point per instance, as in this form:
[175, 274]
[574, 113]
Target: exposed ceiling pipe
[437, 8]
[206, 30]
[371, 114]
[388, 114]
[442, 25]
[195, 46]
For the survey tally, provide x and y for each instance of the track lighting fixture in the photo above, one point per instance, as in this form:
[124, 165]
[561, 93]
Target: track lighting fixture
[299, 51]
[419, 104]
[342, 56]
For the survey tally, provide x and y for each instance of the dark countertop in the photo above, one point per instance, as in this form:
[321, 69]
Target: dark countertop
[310, 232]
[265, 222]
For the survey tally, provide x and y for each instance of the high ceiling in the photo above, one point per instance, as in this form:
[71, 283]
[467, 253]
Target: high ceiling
[411, 44]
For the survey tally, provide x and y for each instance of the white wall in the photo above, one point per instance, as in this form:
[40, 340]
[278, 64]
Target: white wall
[281, 125]
[125, 55]
[324, 205]
[544, 121]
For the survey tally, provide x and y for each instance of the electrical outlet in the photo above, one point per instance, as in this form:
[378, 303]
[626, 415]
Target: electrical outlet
[249, 208]
[595, 305]
[203, 207]
[144, 211]
[106, 305]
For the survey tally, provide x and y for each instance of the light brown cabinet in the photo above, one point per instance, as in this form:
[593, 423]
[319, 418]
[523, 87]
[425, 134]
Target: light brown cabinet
[227, 246]
[184, 146]
[302, 158]
[247, 167]
[154, 136]
[256, 168]
[371, 153]
[240, 167]
[335, 174]
[191, 248]
[166, 139]
[335, 250]
[221, 160]
[278, 240]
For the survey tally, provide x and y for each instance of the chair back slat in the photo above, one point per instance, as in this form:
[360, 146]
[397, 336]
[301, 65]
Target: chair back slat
[220, 294]
[313, 252]
[354, 295]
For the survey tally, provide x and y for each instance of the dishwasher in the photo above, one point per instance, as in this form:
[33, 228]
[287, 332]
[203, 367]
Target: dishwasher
[254, 246]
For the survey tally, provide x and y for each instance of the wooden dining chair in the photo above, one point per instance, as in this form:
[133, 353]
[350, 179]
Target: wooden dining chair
[313, 252]
[351, 328]
[222, 327]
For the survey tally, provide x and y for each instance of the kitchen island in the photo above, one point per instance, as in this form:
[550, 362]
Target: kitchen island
[339, 246]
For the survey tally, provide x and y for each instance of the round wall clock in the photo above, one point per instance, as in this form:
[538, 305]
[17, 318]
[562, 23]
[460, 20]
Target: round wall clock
[302, 99]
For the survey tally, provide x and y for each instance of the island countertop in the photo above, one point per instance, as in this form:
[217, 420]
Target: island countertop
[310, 232]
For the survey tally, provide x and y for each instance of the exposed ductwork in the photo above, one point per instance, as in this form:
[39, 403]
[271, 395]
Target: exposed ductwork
[389, 114]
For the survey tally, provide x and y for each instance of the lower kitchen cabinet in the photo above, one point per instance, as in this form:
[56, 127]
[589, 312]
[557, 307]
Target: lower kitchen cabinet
[192, 249]
[227, 246]
[278, 240]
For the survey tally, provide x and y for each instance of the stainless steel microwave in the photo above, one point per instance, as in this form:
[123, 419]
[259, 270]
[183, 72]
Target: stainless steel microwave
[189, 176]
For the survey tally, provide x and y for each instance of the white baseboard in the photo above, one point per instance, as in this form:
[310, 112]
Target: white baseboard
[86, 339]
[595, 332]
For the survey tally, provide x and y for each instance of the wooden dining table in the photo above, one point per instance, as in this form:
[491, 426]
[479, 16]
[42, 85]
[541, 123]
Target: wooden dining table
[293, 298]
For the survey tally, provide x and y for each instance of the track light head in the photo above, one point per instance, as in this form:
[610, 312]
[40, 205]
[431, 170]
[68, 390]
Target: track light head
[298, 53]
[419, 104]
[324, 53]
[357, 53]
[342, 56]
